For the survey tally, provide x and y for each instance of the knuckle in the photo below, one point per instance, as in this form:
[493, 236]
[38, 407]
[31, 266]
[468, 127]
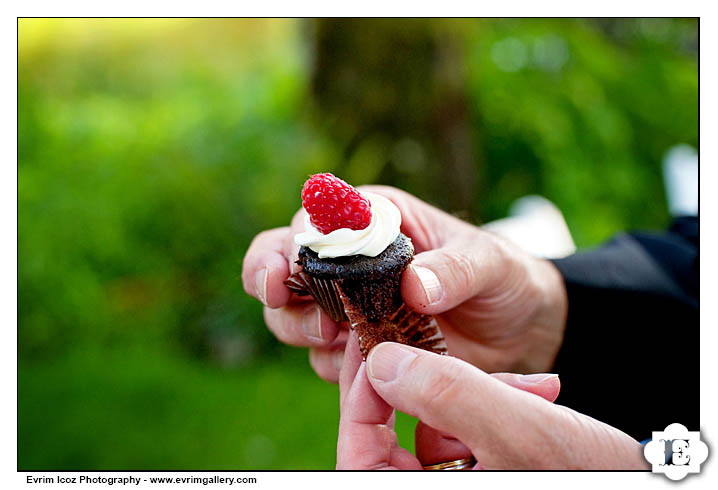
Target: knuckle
[261, 237]
[502, 254]
[253, 252]
[462, 269]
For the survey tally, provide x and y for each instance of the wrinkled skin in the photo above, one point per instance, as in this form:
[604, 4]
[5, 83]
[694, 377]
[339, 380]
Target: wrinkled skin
[499, 308]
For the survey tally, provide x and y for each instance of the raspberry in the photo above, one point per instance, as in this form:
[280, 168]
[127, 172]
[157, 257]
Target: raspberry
[333, 204]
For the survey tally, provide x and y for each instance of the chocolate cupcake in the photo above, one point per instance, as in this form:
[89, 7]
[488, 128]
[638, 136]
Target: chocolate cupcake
[352, 257]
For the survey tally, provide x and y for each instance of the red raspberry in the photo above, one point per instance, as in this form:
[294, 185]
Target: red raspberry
[333, 204]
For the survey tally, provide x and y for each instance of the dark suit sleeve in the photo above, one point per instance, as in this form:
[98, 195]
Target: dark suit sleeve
[630, 355]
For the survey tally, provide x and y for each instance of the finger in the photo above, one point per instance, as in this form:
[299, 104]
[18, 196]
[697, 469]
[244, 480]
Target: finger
[545, 385]
[438, 280]
[366, 423]
[487, 414]
[455, 261]
[327, 361]
[291, 250]
[350, 365]
[367, 440]
[434, 446]
[265, 268]
[454, 397]
[303, 325]
[360, 406]
[422, 222]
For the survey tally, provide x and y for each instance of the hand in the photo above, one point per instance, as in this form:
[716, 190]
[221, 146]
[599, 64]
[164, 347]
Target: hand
[464, 411]
[294, 320]
[499, 308]
[366, 428]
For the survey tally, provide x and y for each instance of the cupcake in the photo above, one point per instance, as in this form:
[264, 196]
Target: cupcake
[352, 255]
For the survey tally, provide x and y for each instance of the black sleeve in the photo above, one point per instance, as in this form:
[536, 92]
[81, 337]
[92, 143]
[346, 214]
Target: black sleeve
[630, 355]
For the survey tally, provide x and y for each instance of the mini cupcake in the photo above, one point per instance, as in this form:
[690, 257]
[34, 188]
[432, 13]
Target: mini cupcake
[352, 257]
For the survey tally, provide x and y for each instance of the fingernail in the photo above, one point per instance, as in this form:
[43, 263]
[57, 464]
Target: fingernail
[337, 359]
[312, 323]
[260, 283]
[430, 283]
[534, 379]
[387, 361]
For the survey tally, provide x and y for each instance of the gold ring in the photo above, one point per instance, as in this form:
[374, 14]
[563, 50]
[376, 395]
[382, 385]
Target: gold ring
[457, 464]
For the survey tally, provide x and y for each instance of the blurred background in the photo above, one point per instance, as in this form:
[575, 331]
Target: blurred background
[152, 151]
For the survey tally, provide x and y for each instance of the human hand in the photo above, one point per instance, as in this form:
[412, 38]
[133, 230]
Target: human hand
[464, 411]
[294, 320]
[366, 427]
[498, 307]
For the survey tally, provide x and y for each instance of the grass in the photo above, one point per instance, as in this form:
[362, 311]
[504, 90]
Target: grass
[140, 407]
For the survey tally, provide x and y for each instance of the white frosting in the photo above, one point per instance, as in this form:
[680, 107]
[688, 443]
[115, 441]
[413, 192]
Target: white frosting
[371, 241]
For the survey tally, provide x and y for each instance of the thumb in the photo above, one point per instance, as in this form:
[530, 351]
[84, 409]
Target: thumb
[454, 397]
[502, 426]
[440, 279]
[433, 446]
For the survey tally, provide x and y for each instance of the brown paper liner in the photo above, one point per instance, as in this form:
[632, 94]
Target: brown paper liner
[404, 325]
[325, 293]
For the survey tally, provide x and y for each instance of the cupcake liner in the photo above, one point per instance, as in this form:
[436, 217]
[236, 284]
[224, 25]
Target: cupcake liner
[403, 325]
[419, 330]
[324, 291]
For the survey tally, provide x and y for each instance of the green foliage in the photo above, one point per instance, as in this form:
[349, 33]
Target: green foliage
[152, 151]
[140, 408]
[148, 161]
[582, 117]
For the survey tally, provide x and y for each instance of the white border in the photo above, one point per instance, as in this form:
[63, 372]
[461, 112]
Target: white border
[709, 241]
[553, 480]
